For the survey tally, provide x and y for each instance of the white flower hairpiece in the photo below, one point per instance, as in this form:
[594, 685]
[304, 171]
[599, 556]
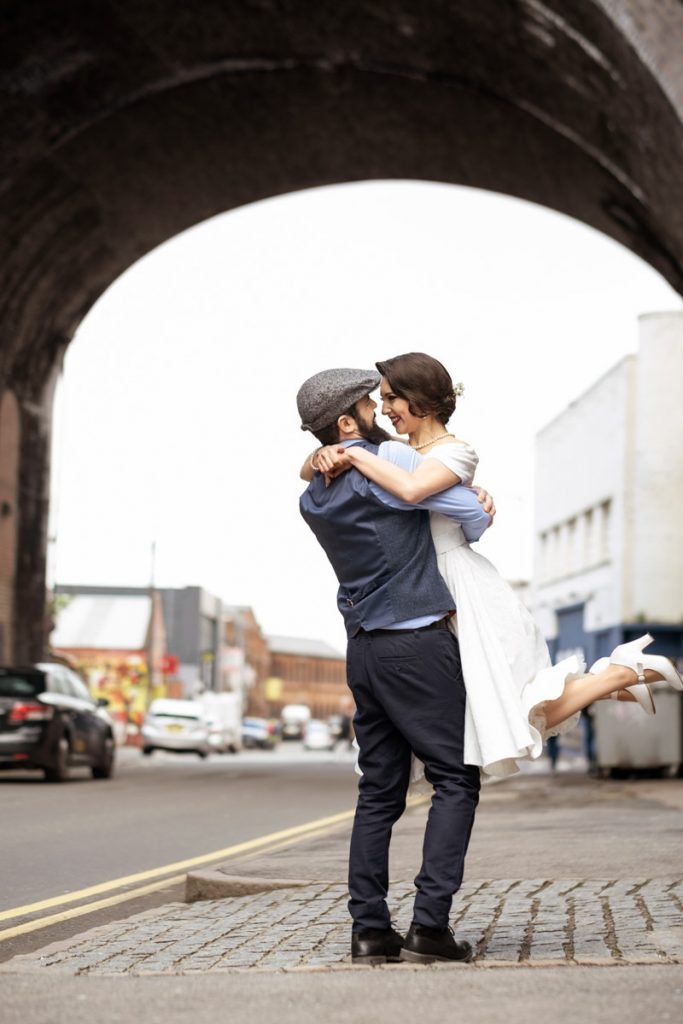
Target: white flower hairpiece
[459, 389]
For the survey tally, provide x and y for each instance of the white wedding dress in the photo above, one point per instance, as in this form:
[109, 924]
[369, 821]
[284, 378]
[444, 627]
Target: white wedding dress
[505, 661]
[506, 665]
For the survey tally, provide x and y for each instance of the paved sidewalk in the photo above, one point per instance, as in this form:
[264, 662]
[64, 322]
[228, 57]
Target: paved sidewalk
[533, 922]
[563, 832]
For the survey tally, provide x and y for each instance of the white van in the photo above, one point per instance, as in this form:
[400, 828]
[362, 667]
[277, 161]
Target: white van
[295, 718]
[223, 712]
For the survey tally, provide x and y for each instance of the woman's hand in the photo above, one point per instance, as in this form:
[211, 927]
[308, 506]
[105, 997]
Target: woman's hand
[331, 460]
[485, 499]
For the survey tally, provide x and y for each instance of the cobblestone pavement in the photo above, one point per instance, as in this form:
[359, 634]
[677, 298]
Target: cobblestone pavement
[531, 922]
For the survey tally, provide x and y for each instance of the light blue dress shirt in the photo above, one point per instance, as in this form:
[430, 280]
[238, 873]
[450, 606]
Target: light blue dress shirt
[457, 502]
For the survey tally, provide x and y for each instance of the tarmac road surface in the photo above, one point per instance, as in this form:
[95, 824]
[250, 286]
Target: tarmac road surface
[156, 811]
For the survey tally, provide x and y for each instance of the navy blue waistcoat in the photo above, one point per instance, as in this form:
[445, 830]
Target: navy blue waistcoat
[383, 557]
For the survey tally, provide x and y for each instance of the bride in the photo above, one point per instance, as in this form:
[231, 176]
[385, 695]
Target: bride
[515, 697]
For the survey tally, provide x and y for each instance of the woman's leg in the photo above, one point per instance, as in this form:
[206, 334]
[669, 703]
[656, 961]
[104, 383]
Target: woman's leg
[579, 693]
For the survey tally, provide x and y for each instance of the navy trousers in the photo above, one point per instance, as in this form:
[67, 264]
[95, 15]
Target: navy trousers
[410, 696]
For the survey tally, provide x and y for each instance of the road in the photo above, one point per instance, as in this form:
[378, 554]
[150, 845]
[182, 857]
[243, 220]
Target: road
[59, 839]
[155, 811]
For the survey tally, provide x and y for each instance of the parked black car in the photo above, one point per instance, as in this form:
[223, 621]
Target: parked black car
[48, 720]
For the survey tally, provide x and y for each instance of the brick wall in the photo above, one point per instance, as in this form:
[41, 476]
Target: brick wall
[9, 463]
[318, 682]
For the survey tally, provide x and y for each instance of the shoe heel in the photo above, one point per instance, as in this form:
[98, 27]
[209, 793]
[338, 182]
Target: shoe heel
[658, 663]
[643, 694]
[369, 961]
[629, 649]
[407, 956]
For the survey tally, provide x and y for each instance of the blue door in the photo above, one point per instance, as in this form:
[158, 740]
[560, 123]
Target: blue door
[571, 636]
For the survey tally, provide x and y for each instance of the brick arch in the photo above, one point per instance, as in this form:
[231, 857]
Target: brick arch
[128, 121]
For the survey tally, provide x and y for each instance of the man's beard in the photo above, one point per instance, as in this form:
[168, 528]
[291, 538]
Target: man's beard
[373, 432]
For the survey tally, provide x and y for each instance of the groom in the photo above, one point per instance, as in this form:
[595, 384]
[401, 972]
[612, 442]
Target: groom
[403, 668]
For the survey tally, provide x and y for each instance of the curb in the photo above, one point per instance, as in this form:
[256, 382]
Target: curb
[215, 885]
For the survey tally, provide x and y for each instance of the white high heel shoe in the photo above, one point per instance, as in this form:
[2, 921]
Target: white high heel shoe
[630, 656]
[627, 655]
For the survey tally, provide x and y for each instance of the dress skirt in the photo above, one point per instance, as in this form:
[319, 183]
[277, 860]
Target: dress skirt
[505, 661]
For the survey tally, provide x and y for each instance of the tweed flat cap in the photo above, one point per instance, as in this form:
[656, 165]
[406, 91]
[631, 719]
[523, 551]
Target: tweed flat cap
[324, 397]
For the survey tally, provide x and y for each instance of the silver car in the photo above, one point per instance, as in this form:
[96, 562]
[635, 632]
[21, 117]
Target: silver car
[179, 725]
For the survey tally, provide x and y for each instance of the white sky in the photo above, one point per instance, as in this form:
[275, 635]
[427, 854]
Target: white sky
[176, 416]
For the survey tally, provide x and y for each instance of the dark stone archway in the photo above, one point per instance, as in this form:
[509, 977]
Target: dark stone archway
[126, 121]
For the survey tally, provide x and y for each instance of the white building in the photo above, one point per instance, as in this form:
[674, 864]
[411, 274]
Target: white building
[608, 560]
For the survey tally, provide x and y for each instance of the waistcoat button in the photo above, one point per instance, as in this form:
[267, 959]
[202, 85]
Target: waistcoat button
[349, 602]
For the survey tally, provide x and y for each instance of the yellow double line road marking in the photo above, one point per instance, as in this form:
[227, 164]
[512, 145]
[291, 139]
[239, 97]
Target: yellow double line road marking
[273, 841]
[88, 908]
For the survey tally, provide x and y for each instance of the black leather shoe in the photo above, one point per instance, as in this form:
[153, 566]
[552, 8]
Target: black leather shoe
[424, 945]
[376, 946]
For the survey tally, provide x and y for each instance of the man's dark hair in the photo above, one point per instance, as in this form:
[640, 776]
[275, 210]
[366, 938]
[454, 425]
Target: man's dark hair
[330, 433]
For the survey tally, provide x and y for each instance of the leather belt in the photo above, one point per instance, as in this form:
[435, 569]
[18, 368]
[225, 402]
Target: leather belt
[439, 624]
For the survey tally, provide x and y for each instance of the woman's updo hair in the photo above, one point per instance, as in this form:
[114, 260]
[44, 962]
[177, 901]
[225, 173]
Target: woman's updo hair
[423, 381]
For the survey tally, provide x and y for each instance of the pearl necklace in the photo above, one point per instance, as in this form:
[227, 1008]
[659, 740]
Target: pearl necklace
[432, 440]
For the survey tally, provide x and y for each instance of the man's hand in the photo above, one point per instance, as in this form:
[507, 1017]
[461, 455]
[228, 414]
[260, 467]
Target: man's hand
[485, 499]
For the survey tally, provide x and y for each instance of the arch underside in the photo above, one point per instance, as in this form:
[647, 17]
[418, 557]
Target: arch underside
[128, 122]
[124, 122]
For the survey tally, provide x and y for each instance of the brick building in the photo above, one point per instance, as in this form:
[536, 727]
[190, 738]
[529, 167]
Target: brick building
[310, 672]
[246, 657]
[218, 646]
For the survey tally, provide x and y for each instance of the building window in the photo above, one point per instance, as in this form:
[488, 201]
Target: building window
[555, 555]
[543, 555]
[588, 527]
[571, 559]
[605, 528]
